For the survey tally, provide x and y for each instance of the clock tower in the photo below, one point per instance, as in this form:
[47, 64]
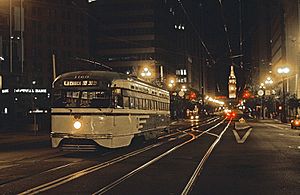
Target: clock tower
[232, 84]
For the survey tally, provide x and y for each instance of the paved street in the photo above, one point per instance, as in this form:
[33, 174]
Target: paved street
[263, 159]
[267, 163]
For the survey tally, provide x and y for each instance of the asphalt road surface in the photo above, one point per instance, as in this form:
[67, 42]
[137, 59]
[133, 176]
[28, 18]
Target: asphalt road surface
[208, 157]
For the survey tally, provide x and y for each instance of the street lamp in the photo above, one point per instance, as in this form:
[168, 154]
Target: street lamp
[268, 93]
[269, 81]
[146, 74]
[283, 71]
[171, 83]
[183, 88]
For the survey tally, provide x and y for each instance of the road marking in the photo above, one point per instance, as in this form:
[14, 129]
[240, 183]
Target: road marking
[212, 134]
[6, 166]
[197, 171]
[238, 138]
[274, 126]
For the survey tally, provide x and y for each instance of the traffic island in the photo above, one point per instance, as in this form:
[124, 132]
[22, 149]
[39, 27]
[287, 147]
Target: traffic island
[241, 125]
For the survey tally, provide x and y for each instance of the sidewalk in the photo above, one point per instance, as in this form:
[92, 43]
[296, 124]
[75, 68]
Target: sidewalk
[23, 139]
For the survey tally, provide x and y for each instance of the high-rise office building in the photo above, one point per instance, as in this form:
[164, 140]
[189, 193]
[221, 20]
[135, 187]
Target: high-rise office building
[131, 35]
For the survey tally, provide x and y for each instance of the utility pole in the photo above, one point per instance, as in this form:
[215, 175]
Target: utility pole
[54, 66]
[21, 35]
[10, 38]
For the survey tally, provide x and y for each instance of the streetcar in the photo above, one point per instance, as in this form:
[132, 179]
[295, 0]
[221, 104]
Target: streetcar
[108, 109]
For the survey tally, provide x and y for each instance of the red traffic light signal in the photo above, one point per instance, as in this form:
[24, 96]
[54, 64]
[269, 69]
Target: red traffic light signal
[193, 96]
[246, 94]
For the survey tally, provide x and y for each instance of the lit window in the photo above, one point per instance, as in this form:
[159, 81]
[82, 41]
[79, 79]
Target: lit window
[181, 72]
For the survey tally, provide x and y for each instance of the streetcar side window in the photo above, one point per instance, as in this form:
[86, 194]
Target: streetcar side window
[126, 102]
[140, 103]
[131, 101]
[118, 101]
[136, 103]
[147, 104]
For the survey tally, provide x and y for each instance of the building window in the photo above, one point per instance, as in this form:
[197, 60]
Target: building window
[181, 72]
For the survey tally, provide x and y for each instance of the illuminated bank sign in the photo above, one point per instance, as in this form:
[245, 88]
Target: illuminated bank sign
[30, 90]
[24, 90]
[80, 83]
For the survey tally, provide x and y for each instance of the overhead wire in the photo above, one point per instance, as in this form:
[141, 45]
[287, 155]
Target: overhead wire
[241, 33]
[197, 32]
[225, 28]
[135, 43]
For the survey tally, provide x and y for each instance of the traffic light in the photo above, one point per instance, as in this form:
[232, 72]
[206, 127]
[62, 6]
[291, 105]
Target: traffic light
[193, 96]
[246, 94]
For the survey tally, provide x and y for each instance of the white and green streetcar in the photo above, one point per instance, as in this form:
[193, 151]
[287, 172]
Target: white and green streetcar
[108, 109]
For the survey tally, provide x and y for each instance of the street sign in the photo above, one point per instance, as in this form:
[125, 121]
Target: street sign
[268, 92]
[260, 92]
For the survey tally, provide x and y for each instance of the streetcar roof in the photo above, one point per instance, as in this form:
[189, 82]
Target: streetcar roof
[108, 76]
[105, 75]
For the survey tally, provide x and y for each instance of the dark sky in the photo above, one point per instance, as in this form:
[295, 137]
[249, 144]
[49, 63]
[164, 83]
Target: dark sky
[218, 41]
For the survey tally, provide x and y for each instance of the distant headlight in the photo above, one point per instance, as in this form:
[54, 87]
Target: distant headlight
[77, 125]
[192, 117]
[197, 117]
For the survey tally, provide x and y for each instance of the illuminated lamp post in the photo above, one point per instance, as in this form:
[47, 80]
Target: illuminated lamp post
[171, 84]
[283, 71]
[269, 82]
[146, 74]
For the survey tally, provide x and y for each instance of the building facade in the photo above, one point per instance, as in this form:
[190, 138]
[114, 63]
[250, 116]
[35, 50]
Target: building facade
[133, 34]
[33, 35]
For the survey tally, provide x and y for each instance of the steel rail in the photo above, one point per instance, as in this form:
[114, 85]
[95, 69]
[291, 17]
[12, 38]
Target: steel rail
[75, 175]
[130, 174]
[70, 177]
[197, 171]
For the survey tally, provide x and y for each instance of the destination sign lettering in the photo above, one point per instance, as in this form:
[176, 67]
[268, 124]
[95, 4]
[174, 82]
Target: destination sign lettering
[80, 83]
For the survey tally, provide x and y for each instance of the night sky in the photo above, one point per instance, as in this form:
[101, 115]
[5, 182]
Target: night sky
[219, 42]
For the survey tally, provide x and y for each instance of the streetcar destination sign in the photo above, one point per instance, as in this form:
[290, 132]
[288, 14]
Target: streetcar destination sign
[80, 83]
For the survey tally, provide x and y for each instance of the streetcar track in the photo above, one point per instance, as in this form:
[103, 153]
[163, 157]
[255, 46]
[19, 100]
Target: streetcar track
[83, 172]
[42, 158]
[209, 121]
[130, 174]
[70, 177]
[65, 179]
[197, 171]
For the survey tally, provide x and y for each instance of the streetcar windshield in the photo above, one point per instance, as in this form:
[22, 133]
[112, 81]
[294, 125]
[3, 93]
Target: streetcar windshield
[78, 98]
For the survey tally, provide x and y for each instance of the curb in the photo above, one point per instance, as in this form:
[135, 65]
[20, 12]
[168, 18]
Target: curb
[243, 128]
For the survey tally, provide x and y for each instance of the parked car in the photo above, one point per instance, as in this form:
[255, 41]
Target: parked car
[295, 122]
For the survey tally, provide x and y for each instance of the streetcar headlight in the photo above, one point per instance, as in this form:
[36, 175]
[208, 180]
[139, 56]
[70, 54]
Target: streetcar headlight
[77, 125]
